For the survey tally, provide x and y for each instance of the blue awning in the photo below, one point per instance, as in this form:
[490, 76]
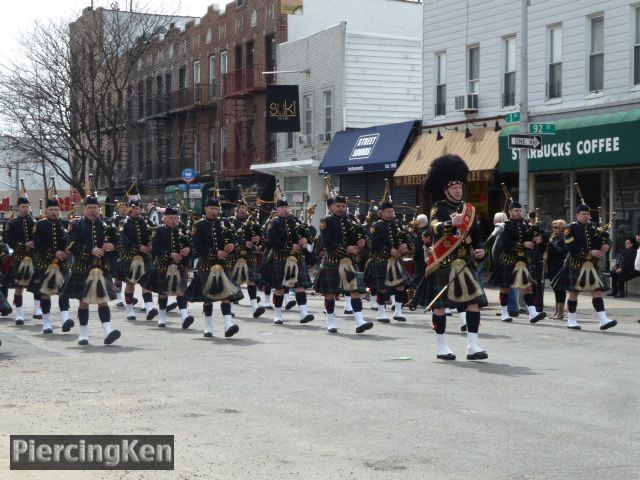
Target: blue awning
[373, 149]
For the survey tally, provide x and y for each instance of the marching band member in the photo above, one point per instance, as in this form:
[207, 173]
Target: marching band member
[213, 242]
[285, 267]
[90, 280]
[337, 273]
[580, 272]
[450, 279]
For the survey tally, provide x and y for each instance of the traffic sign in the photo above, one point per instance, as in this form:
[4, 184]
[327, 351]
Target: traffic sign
[513, 117]
[518, 140]
[542, 128]
[188, 175]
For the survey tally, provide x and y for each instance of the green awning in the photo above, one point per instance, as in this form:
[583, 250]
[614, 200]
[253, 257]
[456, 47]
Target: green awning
[596, 141]
[182, 187]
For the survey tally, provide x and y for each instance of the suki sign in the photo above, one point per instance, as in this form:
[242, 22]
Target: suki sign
[364, 146]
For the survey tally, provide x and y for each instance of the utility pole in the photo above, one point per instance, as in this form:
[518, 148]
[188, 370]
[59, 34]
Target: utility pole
[523, 169]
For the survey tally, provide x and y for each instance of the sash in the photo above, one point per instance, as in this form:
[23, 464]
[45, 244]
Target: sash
[447, 244]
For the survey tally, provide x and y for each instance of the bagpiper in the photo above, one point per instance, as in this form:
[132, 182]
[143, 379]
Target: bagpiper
[117, 220]
[285, 267]
[518, 240]
[580, 273]
[450, 279]
[337, 272]
[213, 244]
[171, 249]
[135, 258]
[51, 265]
[242, 261]
[92, 244]
[18, 234]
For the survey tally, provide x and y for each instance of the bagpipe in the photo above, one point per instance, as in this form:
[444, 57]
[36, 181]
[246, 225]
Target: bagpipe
[26, 268]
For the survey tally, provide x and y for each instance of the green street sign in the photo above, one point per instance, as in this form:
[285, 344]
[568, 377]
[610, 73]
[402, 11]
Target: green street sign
[542, 128]
[513, 117]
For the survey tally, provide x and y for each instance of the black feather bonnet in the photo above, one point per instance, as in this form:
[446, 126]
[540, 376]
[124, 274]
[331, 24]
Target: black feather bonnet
[443, 172]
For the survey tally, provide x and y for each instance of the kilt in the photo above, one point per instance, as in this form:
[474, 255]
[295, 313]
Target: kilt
[74, 285]
[155, 280]
[38, 277]
[122, 269]
[9, 278]
[567, 277]
[273, 273]
[375, 274]
[328, 279]
[433, 283]
[254, 271]
[194, 290]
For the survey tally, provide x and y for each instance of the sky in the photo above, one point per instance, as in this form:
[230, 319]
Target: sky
[20, 16]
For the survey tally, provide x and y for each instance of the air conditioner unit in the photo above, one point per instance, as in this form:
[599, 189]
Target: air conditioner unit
[467, 103]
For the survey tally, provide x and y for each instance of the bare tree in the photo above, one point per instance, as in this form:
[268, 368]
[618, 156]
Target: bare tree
[68, 101]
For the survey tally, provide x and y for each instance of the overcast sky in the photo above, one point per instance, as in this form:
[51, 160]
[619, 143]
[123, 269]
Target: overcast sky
[18, 16]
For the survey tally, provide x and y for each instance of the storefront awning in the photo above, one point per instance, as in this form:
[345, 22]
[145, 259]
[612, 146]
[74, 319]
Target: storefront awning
[295, 167]
[373, 149]
[595, 141]
[480, 151]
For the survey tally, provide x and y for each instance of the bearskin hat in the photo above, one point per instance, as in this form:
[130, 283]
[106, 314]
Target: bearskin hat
[443, 171]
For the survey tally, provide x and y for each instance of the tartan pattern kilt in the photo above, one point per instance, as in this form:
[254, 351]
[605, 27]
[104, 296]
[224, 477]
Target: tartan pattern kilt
[433, 283]
[38, 277]
[254, 271]
[194, 292]
[273, 274]
[567, 277]
[122, 269]
[74, 285]
[9, 279]
[156, 280]
[328, 279]
[375, 274]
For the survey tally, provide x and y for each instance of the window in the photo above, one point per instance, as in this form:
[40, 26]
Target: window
[596, 57]
[474, 69]
[223, 147]
[289, 140]
[441, 85]
[213, 139]
[308, 115]
[239, 3]
[327, 102]
[196, 152]
[296, 184]
[509, 85]
[212, 76]
[554, 85]
[224, 69]
[636, 47]
[196, 73]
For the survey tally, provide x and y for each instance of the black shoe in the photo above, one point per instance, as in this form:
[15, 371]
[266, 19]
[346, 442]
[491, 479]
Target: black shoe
[232, 330]
[268, 307]
[448, 356]
[347, 312]
[538, 317]
[47, 330]
[277, 322]
[307, 318]
[400, 319]
[384, 320]
[119, 304]
[259, 311]
[37, 317]
[153, 313]
[68, 325]
[258, 299]
[478, 356]
[162, 325]
[332, 330]
[134, 301]
[508, 319]
[6, 312]
[364, 327]
[609, 325]
[131, 317]
[84, 341]
[233, 315]
[513, 313]
[463, 328]
[19, 321]
[208, 334]
[290, 304]
[186, 323]
[574, 327]
[172, 306]
[112, 337]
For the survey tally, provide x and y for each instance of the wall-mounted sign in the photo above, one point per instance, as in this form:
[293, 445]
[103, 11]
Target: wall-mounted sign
[283, 108]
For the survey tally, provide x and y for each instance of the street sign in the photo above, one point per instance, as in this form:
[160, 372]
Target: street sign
[518, 140]
[188, 175]
[542, 128]
[513, 117]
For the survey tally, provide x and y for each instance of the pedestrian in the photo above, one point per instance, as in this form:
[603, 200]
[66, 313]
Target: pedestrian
[555, 255]
[624, 270]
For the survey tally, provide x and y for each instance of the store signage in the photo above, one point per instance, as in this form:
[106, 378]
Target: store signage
[283, 112]
[364, 146]
[590, 146]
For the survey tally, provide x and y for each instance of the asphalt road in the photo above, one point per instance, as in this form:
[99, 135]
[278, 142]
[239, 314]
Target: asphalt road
[292, 401]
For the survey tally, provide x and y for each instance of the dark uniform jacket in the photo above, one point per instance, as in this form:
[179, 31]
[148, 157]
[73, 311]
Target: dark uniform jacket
[282, 234]
[208, 237]
[582, 238]
[337, 234]
[384, 237]
[49, 237]
[165, 241]
[134, 233]
[442, 214]
[512, 241]
[17, 232]
[84, 235]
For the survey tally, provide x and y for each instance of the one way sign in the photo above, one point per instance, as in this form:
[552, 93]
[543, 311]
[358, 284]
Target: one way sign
[532, 142]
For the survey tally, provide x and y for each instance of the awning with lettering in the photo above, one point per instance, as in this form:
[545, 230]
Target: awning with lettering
[480, 151]
[373, 149]
[594, 141]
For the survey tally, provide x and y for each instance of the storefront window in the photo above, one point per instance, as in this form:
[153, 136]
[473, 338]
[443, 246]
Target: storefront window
[296, 184]
[627, 205]
[553, 198]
